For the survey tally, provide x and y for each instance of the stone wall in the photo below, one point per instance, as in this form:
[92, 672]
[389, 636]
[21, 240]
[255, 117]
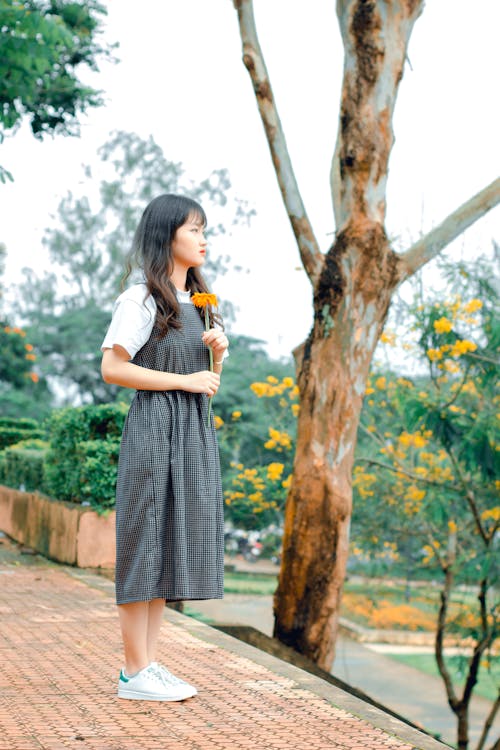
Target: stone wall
[61, 531]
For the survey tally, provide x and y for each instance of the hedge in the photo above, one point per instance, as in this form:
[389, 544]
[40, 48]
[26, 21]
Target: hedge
[12, 431]
[81, 463]
[21, 465]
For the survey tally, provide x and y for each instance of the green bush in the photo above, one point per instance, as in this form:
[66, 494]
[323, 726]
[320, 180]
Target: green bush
[80, 465]
[12, 431]
[21, 465]
[99, 462]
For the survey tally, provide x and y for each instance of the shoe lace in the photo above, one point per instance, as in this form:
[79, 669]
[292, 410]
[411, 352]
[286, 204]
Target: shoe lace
[155, 675]
[168, 677]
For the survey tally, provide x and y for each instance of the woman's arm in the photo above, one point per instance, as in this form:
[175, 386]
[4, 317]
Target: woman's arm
[116, 368]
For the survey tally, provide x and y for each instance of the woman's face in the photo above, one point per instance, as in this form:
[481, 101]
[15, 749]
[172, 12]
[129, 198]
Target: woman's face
[189, 245]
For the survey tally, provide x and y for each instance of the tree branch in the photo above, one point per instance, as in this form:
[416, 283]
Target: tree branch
[488, 724]
[438, 238]
[311, 256]
[439, 643]
[415, 477]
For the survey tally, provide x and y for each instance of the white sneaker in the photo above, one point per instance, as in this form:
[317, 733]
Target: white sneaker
[149, 685]
[172, 679]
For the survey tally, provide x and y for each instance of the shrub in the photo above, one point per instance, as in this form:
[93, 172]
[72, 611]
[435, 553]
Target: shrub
[99, 461]
[13, 430]
[21, 465]
[80, 465]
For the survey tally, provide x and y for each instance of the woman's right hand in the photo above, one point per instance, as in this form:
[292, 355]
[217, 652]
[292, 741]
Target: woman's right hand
[202, 382]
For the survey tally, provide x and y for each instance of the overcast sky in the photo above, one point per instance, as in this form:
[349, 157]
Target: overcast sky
[180, 79]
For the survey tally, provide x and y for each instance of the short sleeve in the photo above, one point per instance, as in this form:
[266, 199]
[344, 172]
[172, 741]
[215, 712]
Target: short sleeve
[133, 320]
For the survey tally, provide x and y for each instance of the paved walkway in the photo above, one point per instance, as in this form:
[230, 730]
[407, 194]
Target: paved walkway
[59, 659]
[404, 689]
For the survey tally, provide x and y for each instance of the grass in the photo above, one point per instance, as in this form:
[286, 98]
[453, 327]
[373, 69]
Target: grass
[257, 584]
[377, 602]
[487, 684]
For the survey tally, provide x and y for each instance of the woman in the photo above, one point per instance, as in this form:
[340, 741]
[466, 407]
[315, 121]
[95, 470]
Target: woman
[169, 507]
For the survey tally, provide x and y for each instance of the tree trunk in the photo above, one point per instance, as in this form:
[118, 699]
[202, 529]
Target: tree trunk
[350, 310]
[351, 299]
[353, 284]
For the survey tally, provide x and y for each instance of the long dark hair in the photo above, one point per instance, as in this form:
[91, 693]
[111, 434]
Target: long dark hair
[151, 252]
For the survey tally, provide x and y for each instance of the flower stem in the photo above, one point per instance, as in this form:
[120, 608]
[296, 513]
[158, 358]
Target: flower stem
[211, 357]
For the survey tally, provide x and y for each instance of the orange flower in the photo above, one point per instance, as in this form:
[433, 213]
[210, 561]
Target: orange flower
[34, 377]
[28, 347]
[202, 299]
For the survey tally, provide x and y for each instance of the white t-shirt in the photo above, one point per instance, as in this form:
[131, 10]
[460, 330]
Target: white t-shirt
[133, 319]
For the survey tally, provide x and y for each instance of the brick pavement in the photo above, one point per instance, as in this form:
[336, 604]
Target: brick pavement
[60, 655]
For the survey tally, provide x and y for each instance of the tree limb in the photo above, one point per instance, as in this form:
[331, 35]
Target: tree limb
[438, 238]
[439, 643]
[488, 724]
[409, 474]
[311, 256]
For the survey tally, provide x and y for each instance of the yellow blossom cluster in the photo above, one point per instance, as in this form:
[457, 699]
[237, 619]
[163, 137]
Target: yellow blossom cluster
[443, 325]
[455, 350]
[273, 387]
[385, 614]
[388, 337]
[258, 486]
[417, 439]
[278, 440]
[493, 514]
[274, 471]
[363, 481]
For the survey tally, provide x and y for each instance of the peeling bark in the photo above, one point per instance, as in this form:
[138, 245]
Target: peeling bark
[353, 284]
[351, 302]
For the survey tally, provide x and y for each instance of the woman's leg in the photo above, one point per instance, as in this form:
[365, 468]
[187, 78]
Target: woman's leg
[134, 619]
[155, 619]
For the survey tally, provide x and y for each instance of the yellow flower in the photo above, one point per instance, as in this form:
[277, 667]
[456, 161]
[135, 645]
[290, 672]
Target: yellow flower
[295, 409]
[434, 354]
[272, 379]
[388, 337]
[369, 391]
[413, 493]
[443, 325]
[452, 527]
[274, 471]
[203, 299]
[473, 306]
[419, 441]
[493, 513]
[462, 347]
[287, 482]
[218, 422]
[380, 383]
[288, 382]
[236, 415]
[405, 382]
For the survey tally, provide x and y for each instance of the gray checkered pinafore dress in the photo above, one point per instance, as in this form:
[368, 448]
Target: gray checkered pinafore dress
[169, 506]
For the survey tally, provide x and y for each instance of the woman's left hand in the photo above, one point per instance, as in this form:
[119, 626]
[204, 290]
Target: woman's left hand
[217, 341]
